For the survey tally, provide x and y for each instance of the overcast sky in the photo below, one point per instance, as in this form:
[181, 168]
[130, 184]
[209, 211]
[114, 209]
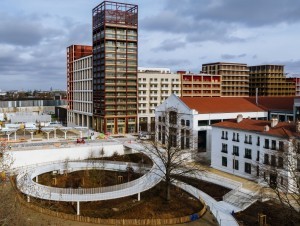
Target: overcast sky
[177, 34]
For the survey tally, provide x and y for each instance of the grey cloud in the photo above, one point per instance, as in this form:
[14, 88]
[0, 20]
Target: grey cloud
[43, 65]
[170, 45]
[230, 56]
[23, 31]
[194, 30]
[253, 13]
[169, 63]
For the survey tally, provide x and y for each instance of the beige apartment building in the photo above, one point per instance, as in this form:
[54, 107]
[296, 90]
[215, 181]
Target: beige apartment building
[270, 80]
[82, 93]
[235, 78]
[155, 85]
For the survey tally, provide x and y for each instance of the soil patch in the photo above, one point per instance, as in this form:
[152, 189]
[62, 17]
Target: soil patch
[275, 213]
[213, 190]
[87, 178]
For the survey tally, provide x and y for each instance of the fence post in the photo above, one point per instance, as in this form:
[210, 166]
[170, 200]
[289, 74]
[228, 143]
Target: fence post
[78, 208]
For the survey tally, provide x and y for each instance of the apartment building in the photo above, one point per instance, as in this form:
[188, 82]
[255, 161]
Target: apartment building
[257, 149]
[74, 52]
[115, 53]
[270, 80]
[200, 85]
[81, 113]
[234, 78]
[155, 86]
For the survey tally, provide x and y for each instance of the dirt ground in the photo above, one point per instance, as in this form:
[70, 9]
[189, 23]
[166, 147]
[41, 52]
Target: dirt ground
[211, 189]
[275, 213]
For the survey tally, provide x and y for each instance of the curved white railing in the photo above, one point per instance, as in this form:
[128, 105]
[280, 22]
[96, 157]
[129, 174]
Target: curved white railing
[26, 184]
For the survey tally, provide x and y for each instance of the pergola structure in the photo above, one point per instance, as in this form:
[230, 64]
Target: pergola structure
[9, 131]
[48, 130]
[65, 130]
[81, 129]
[31, 130]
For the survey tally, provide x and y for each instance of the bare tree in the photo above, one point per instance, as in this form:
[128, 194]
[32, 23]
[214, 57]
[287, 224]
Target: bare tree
[280, 173]
[173, 146]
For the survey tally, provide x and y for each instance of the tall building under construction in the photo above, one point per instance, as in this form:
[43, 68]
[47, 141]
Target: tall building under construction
[115, 54]
[270, 80]
[234, 76]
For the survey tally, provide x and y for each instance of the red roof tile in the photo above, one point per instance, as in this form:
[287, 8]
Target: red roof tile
[206, 105]
[282, 129]
[274, 103]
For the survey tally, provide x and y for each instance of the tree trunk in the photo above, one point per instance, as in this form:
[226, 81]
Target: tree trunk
[168, 193]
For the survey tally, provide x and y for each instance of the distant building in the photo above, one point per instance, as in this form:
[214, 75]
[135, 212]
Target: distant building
[270, 80]
[251, 148]
[234, 77]
[74, 52]
[80, 111]
[200, 85]
[155, 86]
[115, 54]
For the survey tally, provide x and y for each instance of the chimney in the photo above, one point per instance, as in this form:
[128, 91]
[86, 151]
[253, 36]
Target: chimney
[297, 127]
[266, 128]
[239, 118]
[274, 122]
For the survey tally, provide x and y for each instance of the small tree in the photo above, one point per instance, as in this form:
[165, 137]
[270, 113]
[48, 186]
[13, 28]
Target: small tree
[173, 147]
[281, 175]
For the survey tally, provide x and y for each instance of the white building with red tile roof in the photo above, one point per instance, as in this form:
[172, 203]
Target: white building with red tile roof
[195, 115]
[256, 149]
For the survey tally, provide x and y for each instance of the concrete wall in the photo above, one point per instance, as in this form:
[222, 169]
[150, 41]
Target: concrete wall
[41, 155]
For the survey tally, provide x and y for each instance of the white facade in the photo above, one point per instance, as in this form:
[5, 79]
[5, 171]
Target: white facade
[200, 124]
[250, 154]
[82, 112]
[154, 88]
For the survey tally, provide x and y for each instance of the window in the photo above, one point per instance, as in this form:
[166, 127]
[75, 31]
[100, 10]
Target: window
[280, 162]
[187, 139]
[235, 164]
[236, 137]
[281, 147]
[187, 122]
[182, 122]
[224, 148]
[235, 150]
[258, 141]
[173, 137]
[247, 167]
[159, 118]
[266, 159]
[273, 160]
[257, 156]
[266, 144]
[173, 117]
[248, 153]
[250, 139]
[203, 122]
[273, 145]
[224, 161]
[224, 135]
[182, 139]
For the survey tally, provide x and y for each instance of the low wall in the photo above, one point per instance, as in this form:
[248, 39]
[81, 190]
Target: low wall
[40, 155]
